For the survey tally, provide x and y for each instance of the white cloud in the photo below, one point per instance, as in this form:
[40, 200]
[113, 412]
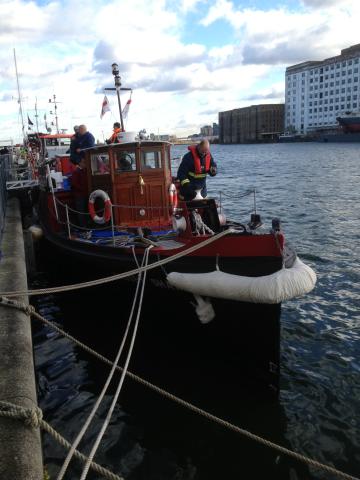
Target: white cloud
[177, 84]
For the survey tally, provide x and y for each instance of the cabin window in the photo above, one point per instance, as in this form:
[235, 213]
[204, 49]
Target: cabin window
[151, 160]
[125, 161]
[100, 164]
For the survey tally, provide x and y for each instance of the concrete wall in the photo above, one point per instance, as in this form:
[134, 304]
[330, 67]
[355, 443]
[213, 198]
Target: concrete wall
[20, 446]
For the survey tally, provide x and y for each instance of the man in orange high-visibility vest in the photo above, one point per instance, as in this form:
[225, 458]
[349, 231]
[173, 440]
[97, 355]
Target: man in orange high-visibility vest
[114, 136]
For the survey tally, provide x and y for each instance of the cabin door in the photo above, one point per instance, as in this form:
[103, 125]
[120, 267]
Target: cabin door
[139, 187]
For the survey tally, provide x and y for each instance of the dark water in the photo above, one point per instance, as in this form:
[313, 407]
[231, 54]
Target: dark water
[314, 189]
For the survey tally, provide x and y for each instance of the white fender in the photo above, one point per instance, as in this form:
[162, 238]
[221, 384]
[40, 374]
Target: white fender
[283, 285]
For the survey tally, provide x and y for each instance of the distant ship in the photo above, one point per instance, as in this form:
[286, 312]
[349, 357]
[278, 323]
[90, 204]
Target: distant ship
[350, 122]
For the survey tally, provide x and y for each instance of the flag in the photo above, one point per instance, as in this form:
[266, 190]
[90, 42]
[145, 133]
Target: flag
[29, 121]
[126, 109]
[105, 107]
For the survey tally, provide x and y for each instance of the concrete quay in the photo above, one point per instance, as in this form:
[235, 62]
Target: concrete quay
[20, 445]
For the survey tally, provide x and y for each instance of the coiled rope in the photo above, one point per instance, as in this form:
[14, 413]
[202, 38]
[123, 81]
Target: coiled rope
[29, 310]
[120, 276]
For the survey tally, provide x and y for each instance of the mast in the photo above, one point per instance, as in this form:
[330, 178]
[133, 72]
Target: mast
[36, 116]
[19, 98]
[55, 108]
[117, 81]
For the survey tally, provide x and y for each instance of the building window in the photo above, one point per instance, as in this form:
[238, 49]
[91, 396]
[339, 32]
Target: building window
[338, 65]
[310, 110]
[343, 99]
[342, 106]
[354, 105]
[349, 80]
[355, 88]
[356, 79]
[343, 73]
[354, 97]
[350, 71]
[311, 80]
[348, 98]
[343, 82]
[331, 100]
[356, 60]
[332, 75]
[331, 108]
[343, 64]
[331, 92]
[337, 74]
[348, 105]
[343, 90]
[350, 62]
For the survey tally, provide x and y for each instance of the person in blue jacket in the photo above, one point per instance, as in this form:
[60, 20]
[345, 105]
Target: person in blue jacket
[84, 140]
[194, 168]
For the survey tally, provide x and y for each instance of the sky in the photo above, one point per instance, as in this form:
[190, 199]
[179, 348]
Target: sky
[185, 60]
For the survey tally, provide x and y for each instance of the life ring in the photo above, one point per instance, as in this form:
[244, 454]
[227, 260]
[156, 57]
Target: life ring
[173, 196]
[107, 206]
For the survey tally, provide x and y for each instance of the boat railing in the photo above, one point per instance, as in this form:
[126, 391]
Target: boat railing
[67, 215]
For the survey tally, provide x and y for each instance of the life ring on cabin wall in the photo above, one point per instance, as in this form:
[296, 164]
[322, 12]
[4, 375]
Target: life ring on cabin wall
[107, 206]
[173, 196]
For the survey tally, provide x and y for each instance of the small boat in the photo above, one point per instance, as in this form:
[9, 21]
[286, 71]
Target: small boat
[134, 203]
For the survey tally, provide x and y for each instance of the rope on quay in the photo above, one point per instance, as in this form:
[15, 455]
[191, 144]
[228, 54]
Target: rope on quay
[29, 310]
[32, 417]
[120, 276]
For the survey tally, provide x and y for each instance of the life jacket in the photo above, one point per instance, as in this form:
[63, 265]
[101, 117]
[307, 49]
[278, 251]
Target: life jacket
[113, 138]
[197, 161]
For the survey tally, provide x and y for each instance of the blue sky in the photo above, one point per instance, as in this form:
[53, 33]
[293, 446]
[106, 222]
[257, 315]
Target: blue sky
[186, 59]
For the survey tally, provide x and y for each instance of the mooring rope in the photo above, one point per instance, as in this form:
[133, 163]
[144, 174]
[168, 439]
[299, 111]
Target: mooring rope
[142, 280]
[120, 276]
[29, 310]
[106, 385]
[32, 417]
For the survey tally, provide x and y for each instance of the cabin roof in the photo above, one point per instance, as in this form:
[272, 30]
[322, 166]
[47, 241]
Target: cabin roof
[57, 135]
[143, 143]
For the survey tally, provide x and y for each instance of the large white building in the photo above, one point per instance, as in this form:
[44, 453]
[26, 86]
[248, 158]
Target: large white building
[318, 92]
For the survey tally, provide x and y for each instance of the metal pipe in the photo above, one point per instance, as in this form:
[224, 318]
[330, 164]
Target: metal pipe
[67, 221]
[112, 226]
[52, 191]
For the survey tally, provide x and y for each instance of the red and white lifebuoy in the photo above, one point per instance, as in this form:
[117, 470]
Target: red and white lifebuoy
[173, 196]
[107, 206]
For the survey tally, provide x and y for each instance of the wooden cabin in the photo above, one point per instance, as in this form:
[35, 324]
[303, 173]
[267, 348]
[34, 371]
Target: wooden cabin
[137, 177]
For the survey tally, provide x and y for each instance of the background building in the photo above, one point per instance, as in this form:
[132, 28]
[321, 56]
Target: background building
[258, 123]
[318, 92]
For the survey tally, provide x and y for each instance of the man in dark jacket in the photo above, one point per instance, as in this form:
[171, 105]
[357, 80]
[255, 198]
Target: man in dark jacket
[193, 169]
[74, 156]
[85, 140]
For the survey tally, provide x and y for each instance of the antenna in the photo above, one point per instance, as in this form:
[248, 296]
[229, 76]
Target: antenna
[19, 98]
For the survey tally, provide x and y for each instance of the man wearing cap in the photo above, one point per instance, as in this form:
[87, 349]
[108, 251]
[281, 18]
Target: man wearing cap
[193, 169]
[114, 136]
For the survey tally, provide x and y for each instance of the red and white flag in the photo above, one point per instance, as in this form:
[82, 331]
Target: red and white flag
[126, 109]
[105, 107]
